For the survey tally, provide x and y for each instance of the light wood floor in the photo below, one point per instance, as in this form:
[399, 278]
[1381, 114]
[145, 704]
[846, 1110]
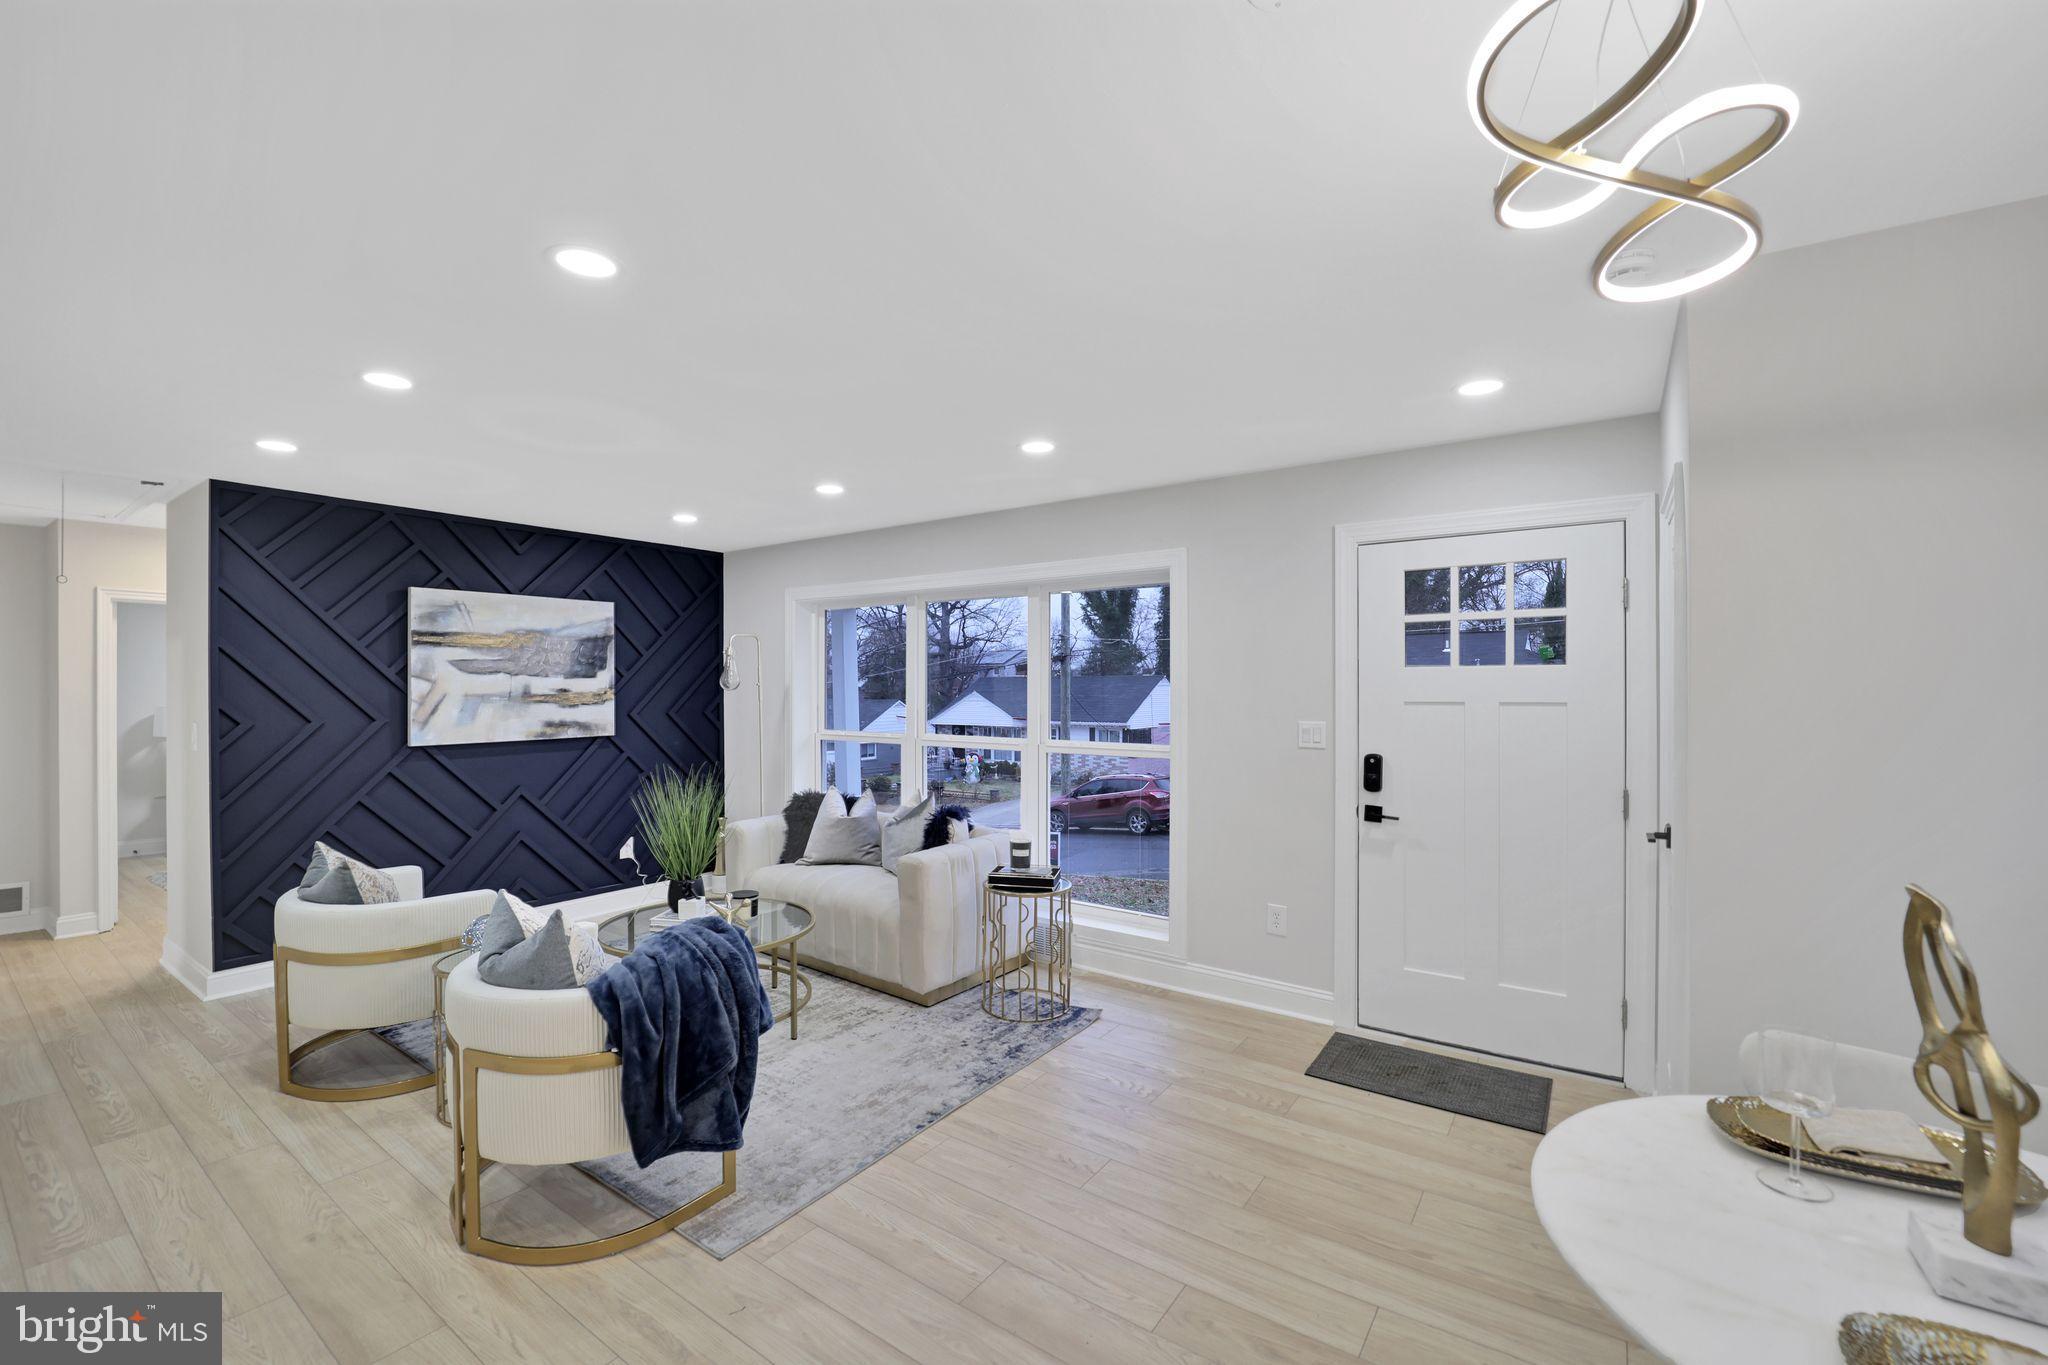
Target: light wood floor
[1167, 1187]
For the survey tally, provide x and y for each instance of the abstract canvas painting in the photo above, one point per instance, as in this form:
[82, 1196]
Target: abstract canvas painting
[488, 667]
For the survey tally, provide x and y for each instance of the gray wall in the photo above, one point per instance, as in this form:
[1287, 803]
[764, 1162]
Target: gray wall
[1868, 469]
[139, 754]
[1256, 809]
[25, 595]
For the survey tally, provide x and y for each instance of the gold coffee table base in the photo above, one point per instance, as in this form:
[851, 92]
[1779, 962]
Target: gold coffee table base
[1027, 954]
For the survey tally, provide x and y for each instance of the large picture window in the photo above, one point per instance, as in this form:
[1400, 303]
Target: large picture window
[1045, 706]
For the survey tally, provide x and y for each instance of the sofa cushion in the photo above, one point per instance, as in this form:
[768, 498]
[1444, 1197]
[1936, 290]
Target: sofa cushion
[849, 836]
[797, 818]
[903, 833]
[334, 878]
[831, 890]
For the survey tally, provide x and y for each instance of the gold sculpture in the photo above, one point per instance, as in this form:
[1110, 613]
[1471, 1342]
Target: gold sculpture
[1566, 154]
[1986, 1095]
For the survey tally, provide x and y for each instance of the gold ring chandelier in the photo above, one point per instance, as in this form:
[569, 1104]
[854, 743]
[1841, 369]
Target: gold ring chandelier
[1566, 154]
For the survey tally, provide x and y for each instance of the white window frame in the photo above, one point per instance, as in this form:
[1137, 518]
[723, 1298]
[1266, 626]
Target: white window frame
[804, 655]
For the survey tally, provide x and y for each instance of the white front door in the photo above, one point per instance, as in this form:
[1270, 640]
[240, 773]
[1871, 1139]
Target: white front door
[1490, 891]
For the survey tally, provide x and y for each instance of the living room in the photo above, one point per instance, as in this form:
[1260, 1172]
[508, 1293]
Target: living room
[1242, 680]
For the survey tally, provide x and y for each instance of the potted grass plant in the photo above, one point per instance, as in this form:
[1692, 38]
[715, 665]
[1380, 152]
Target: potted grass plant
[680, 815]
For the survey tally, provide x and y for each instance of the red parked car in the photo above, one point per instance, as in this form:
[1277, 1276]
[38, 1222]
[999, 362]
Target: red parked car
[1139, 803]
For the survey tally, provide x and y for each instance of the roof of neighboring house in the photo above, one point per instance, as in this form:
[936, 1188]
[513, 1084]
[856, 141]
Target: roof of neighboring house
[1096, 698]
[874, 708]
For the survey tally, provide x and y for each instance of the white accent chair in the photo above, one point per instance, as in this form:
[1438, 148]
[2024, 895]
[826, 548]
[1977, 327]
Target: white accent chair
[352, 968]
[529, 1081]
[913, 935]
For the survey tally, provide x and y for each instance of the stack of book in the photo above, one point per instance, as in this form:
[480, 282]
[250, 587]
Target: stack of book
[1024, 879]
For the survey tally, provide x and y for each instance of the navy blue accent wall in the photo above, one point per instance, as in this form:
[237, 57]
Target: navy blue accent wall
[309, 694]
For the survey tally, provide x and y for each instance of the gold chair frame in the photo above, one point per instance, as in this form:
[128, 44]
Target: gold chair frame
[465, 1198]
[289, 1056]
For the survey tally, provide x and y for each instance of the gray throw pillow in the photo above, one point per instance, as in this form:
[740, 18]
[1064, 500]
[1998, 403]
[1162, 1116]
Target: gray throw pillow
[336, 879]
[853, 836]
[507, 955]
[798, 817]
[903, 833]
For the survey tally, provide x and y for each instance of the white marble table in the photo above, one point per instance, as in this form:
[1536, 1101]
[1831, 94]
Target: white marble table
[1663, 1218]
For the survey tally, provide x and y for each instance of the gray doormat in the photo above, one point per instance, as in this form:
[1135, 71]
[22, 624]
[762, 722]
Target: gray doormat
[1473, 1089]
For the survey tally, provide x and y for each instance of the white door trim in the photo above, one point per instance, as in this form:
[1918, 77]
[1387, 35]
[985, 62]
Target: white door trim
[1638, 515]
[106, 743]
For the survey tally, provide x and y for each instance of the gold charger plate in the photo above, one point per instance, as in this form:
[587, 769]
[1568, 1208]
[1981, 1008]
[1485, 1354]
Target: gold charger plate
[1766, 1131]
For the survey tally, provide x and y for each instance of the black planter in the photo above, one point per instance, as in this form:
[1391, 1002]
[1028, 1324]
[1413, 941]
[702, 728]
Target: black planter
[691, 890]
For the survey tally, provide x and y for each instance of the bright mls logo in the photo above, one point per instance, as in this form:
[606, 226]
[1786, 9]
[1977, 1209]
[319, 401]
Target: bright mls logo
[169, 1329]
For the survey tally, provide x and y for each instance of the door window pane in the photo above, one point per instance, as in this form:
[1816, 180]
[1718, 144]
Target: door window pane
[1428, 644]
[1111, 817]
[1539, 640]
[1483, 587]
[1426, 590]
[864, 669]
[1483, 642]
[850, 765]
[986, 780]
[974, 653]
[1539, 583]
[1111, 653]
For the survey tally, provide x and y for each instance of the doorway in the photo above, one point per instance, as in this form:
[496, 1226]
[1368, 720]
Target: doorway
[1497, 726]
[131, 748]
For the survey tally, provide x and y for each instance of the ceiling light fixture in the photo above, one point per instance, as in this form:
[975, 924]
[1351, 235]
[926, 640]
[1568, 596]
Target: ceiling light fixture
[386, 379]
[684, 518]
[830, 490]
[588, 264]
[276, 446]
[1479, 388]
[1566, 154]
[1038, 446]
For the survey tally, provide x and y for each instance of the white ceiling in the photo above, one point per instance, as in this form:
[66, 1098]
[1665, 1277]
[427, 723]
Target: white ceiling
[872, 242]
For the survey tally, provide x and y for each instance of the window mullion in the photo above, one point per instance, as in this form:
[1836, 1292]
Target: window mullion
[914, 698]
[1031, 793]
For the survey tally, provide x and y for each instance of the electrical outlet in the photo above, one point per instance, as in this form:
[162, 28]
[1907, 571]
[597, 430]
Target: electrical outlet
[1276, 920]
[1311, 734]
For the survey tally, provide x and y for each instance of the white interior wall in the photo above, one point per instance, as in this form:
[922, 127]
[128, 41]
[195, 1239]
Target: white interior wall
[139, 755]
[1868, 465]
[188, 918]
[25, 596]
[1257, 621]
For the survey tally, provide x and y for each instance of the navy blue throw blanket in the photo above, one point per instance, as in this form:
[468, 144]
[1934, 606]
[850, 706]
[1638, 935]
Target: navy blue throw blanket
[685, 1011]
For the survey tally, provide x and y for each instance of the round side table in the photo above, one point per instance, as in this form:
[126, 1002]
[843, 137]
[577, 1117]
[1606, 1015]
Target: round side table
[1027, 953]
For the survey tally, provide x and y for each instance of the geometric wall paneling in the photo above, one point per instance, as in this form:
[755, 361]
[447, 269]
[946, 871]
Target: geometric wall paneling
[309, 693]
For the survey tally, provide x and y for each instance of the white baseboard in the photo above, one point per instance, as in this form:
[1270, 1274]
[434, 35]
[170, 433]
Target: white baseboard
[1210, 983]
[209, 986]
[27, 921]
[145, 848]
[73, 926]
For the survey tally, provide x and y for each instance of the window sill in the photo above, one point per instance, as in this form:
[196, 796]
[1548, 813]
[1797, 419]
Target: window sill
[1092, 922]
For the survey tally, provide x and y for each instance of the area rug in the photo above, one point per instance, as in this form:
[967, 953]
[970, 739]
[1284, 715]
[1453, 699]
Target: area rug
[867, 1073]
[1474, 1089]
[160, 880]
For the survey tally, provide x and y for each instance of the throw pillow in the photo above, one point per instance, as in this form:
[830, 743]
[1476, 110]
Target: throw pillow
[797, 818]
[507, 955]
[903, 833]
[938, 831]
[851, 836]
[336, 879]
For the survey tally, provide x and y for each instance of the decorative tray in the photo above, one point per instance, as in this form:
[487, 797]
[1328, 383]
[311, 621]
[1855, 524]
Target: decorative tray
[1752, 1124]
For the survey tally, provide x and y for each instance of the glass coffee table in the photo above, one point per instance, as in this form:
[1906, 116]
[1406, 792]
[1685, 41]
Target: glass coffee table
[774, 930]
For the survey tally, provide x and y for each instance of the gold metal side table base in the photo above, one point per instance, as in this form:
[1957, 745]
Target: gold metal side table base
[1027, 954]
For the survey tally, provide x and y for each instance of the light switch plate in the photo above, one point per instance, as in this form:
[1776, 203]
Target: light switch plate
[1311, 734]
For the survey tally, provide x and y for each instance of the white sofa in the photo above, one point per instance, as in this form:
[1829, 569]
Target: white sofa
[912, 934]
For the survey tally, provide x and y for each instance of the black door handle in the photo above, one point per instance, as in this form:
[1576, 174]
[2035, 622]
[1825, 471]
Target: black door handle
[1374, 815]
[1663, 835]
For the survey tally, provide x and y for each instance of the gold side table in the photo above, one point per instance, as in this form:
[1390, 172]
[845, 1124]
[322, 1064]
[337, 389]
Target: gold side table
[1027, 953]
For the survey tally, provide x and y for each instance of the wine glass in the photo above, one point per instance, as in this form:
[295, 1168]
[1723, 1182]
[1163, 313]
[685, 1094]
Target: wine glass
[1796, 1077]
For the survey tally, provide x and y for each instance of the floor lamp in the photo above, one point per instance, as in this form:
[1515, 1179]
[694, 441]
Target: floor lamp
[729, 679]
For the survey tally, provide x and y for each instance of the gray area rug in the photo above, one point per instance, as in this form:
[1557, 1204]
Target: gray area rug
[1473, 1089]
[868, 1073]
[160, 880]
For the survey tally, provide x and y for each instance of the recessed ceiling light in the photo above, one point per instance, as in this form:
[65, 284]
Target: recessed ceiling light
[591, 265]
[1038, 445]
[830, 490]
[385, 379]
[684, 518]
[1479, 388]
[276, 446]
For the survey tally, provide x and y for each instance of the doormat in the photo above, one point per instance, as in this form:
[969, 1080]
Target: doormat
[1473, 1089]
